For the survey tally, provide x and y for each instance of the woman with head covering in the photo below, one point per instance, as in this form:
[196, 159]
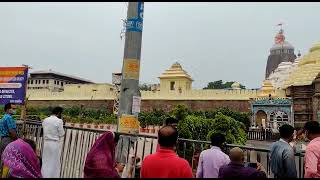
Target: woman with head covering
[100, 161]
[20, 160]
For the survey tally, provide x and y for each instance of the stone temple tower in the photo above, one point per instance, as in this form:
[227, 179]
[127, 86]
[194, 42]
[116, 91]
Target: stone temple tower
[281, 51]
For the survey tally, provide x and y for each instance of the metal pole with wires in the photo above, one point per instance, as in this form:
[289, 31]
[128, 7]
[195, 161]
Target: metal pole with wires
[130, 72]
[131, 59]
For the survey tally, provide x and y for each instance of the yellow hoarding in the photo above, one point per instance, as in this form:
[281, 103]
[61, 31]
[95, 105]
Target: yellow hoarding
[131, 69]
[129, 124]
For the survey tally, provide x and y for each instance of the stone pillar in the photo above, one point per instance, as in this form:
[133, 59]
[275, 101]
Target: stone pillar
[253, 119]
[268, 120]
[316, 98]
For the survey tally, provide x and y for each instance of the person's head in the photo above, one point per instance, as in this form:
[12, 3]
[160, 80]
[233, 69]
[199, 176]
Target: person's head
[167, 137]
[10, 108]
[31, 143]
[312, 129]
[101, 159]
[217, 139]
[57, 111]
[236, 155]
[286, 132]
[170, 121]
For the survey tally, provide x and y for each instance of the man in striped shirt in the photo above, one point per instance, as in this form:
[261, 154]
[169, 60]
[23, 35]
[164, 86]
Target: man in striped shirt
[312, 155]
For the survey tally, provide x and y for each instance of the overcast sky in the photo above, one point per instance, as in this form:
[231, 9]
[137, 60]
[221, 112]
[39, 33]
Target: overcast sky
[212, 41]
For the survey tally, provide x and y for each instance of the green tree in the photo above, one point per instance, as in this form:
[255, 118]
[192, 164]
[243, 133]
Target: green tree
[180, 112]
[199, 128]
[142, 119]
[215, 85]
[238, 116]
[232, 129]
[220, 85]
[145, 87]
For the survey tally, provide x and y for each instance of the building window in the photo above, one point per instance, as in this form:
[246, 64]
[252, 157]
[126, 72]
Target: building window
[43, 81]
[58, 82]
[47, 81]
[61, 83]
[172, 83]
[31, 81]
[55, 82]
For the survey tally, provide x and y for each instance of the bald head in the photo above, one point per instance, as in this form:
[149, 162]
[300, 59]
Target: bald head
[236, 155]
[167, 137]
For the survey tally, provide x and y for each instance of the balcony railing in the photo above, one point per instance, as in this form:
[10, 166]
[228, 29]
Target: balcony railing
[77, 143]
[262, 135]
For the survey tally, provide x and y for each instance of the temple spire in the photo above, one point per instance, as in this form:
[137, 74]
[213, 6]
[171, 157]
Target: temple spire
[279, 39]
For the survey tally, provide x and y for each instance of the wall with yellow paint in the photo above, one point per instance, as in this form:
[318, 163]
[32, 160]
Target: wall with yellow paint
[175, 74]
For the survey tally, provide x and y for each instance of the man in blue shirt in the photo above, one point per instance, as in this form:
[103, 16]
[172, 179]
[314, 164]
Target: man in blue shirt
[282, 154]
[7, 126]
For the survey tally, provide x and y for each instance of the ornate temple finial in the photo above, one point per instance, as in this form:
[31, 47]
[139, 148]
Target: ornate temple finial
[279, 39]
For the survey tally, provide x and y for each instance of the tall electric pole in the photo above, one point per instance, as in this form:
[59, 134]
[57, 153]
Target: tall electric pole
[130, 73]
[131, 59]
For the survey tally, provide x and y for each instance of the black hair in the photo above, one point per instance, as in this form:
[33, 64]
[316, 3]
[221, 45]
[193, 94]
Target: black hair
[7, 106]
[217, 139]
[171, 120]
[312, 127]
[169, 138]
[286, 131]
[57, 110]
[31, 143]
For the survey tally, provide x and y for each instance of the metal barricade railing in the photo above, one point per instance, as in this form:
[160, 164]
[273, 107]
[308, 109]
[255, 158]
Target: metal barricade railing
[78, 141]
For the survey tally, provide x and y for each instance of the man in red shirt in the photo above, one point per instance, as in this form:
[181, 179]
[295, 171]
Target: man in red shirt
[169, 122]
[166, 163]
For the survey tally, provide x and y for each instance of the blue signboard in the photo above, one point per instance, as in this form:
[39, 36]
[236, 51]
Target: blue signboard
[136, 24]
[140, 10]
[13, 84]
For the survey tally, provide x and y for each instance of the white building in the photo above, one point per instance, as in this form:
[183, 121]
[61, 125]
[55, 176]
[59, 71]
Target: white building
[53, 81]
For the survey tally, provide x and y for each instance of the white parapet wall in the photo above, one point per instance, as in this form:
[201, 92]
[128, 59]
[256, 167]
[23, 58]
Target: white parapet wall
[242, 94]
[108, 94]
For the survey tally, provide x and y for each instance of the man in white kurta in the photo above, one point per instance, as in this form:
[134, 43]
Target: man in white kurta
[53, 134]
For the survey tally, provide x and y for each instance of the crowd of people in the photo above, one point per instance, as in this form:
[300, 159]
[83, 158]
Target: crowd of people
[20, 158]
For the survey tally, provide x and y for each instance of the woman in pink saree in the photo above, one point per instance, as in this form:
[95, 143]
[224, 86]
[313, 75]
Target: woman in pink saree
[20, 161]
[100, 161]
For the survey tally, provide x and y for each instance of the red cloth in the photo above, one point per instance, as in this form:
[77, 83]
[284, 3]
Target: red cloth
[100, 161]
[165, 164]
